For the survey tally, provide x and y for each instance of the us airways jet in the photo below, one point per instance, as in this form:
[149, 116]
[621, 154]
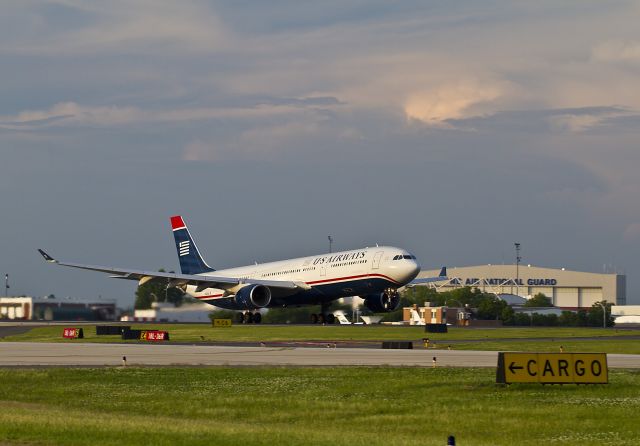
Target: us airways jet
[373, 273]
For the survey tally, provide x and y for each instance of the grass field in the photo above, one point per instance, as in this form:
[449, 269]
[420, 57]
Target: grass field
[521, 338]
[296, 406]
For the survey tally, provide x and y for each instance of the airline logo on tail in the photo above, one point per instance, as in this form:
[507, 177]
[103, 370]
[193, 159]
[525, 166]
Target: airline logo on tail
[191, 262]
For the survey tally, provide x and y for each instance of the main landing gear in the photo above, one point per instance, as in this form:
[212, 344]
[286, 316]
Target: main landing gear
[324, 317]
[249, 318]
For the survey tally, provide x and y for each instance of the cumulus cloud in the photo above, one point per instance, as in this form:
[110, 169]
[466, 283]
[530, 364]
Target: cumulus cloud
[451, 101]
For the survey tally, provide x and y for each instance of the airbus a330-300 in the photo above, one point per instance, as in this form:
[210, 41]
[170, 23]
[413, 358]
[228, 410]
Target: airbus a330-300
[373, 273]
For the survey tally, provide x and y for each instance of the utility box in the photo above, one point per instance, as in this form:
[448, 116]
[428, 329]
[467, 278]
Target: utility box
[435, 328]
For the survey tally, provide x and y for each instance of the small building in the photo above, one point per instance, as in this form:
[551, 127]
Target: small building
[54, 309]
[415, 315]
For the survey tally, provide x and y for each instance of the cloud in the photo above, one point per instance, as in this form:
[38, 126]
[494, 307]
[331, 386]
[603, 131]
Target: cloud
[555, 120]
[157, 26]
[452, 101]
[617, 51]
[74, 114]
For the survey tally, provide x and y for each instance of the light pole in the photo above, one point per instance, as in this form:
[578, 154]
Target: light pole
[518, 258]
[330, 243]
[6, 285]
[604, 314]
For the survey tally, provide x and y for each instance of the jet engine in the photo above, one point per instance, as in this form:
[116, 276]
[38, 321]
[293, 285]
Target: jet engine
[252, 297]
[383, 302]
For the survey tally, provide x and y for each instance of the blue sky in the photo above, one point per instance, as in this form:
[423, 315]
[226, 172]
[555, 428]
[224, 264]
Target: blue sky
[452, 129]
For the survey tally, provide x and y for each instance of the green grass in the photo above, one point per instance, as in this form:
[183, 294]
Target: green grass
[256, 333]
[595, 346]
[298, 406]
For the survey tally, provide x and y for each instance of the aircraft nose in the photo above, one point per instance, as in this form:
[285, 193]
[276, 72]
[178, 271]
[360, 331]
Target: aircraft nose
[410, 270]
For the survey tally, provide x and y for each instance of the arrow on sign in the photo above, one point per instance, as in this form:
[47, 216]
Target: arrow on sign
[513, 367]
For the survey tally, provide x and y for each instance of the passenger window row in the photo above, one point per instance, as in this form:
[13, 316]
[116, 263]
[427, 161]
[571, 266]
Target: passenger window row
[349, 263]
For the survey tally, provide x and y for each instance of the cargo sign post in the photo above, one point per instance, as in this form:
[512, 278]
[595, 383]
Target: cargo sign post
[552, 368]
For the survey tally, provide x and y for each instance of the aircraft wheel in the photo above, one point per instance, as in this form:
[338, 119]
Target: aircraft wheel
[314, 318]
[322, 318]
[249, 318]
[240, 318]
[329, 318]
[257, 318]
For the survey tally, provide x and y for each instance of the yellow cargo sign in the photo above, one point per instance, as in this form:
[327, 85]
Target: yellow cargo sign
[552, 368]
[222, 322]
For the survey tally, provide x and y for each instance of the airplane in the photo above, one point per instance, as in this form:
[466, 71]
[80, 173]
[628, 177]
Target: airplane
[374, 273]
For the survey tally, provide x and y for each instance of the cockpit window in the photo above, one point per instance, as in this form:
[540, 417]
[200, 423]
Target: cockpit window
[406, 256]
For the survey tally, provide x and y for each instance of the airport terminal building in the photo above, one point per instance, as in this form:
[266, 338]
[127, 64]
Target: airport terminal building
[566, 289]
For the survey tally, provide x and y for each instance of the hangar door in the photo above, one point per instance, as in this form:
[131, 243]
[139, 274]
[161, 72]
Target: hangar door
[589, 296]
[566, 297]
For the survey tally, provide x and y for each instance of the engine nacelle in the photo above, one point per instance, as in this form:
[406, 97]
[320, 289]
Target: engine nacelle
[252, 297]
[384, 302]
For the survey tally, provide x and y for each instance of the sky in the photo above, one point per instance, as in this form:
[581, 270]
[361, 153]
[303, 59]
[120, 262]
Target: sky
[451, 129]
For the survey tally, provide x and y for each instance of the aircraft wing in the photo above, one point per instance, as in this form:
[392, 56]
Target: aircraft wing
[425, 280]
[174, 279]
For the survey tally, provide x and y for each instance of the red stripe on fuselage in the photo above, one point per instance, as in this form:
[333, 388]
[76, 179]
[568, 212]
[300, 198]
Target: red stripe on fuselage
[209, 297]
[336, 279]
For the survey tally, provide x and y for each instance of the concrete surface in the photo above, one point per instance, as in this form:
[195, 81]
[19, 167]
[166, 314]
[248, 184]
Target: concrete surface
[86, 354]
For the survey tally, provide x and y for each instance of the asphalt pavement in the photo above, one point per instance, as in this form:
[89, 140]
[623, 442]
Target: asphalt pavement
[96, 355]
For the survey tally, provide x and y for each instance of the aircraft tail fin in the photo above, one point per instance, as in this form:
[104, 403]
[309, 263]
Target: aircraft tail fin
[191, 262]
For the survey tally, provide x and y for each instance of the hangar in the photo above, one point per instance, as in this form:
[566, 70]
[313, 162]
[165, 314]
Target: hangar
[566, 289]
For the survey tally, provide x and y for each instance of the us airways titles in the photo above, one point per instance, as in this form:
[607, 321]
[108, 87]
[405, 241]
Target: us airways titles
[497, 281]
[340, 258]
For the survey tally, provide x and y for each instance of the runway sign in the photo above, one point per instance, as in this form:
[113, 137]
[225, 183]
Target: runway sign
[73, 333]
[222, 322]
[552, 368]
[154, 335]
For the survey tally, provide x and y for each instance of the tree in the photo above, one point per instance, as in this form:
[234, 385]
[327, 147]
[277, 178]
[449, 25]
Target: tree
[522, 319]
[507, 315]
[539, 300]
[569, 319]
[490, 307]
[157, 291]
[595, 316]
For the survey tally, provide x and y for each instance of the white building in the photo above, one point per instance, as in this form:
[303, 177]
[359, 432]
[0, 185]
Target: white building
[166, 312]
[626, 314]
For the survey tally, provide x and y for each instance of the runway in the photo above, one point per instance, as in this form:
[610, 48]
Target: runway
[97, 355]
